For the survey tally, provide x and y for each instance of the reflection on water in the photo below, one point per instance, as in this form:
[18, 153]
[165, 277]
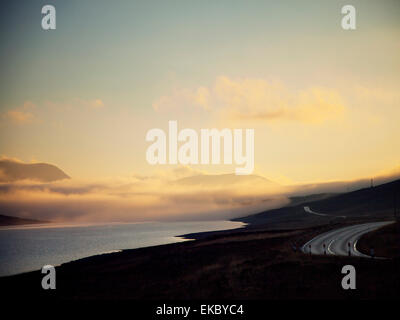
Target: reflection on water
[29, 248]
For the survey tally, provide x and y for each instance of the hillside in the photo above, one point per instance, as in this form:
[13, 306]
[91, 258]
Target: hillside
[364, 204]
[10, 221]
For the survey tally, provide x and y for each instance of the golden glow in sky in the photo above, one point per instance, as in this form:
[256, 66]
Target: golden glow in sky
[323, 101]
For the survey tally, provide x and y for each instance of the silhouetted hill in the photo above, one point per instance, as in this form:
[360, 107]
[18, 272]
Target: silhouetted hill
[11, 171]
[375, 201]
[8, 221]
[370, 203]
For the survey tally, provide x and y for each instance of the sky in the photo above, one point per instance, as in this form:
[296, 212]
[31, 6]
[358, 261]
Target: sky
[323, 101]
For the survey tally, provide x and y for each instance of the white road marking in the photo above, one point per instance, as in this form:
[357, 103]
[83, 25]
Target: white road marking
[308, 210]
[338, 239]
[329, 246]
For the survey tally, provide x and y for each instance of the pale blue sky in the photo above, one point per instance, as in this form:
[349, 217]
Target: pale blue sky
[130, 53]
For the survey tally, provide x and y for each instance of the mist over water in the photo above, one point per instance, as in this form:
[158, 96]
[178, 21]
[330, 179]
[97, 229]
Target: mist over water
[25, 249]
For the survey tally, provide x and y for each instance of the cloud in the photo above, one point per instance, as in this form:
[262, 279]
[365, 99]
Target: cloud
[7, 158]
[95, 104]
[258, 100]
[136, 199]
[198, 98]
[73, 105]
[21, 115]
[377, 95]
[28, 112]
[157, 198]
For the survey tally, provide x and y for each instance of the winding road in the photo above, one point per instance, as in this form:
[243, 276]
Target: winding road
[341, 241]
[308, 210]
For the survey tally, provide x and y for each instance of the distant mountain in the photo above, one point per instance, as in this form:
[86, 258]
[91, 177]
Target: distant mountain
[224, 180]
[8, 221]
[11, 171]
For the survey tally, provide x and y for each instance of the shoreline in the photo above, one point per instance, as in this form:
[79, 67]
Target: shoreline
[241, 264]
[180, 238]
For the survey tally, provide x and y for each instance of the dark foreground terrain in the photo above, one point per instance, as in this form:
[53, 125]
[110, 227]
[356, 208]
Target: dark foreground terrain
[244, 265]
[385, 241]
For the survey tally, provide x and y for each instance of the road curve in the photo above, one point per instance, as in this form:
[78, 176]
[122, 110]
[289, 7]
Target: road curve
[337, 241]
[308, 210]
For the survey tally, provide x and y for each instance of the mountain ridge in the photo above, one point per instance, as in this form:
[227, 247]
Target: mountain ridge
[12, 171]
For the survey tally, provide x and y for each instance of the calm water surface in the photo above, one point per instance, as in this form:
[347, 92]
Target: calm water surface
[29, 248]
